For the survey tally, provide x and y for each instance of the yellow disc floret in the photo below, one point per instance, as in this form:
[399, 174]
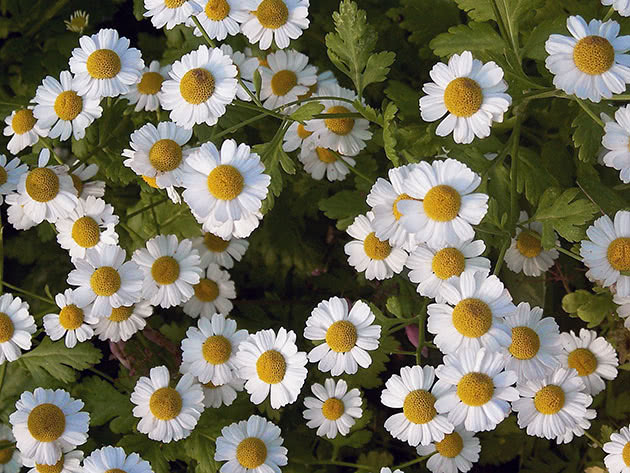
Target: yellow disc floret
[165, 403]
[225, 182]
[151, 83]
[6, 452]
[376, 249]
[282, 82]
[549, 400]
[152, 181]
[528, 244]
[115, 470]
[395, 210]
[625, 454]
[174, 3]
[339, 126]
[197, 86]
[215, 243]
[325, 155]
[105, 281]
[23, 121]
[68, 105]
[271, 367]
[450, 446]
[56, 468]
[302, 132]
[251, 453]
[618, 254]
[583, 361]
[418, 406]
[272, 14]
[475, 389]
[78, 183]
[333, 408]
[165, 270]
[593, 55]
[525, 343]
[71, 317]
[216, 350]
[448, 262]
[46, 422]
[472, 317]
[103, 64]
[165, 155]
[85, 232]
[341, 336]
[217, 10]
[206, 290]
[42, 184]
[463, 97]
[120, 314]
[6, 327]
[442, 203]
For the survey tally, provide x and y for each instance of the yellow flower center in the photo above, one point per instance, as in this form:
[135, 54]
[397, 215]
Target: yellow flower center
[333, 408]
[152, 181]
[341, 336]
[103, 64]
[197, 86]
[56, 468]
[42, 184]
[85, 232]
[339, 126]
[625, 454]
[151, 83]
[206, 290]
[272, 14]
[23, 121]
[549, 400]
[6, 452]
[376, 249]
[463, 97]
[120, 314]
[115, 470]
[214, 243]
[211, 385]
[448, 262]
[165, 403]
[475, 389]
[442, 203]
[418, 406]
[283, 81]
[71, 317]
[217, 10]
[165, 155]
[174, 3]
[225, 182]
[216, 350]
[525, 343]
[6, 328]
[395, 210]
[528, 244]
[68, 105]
[165, 270]
[78, 183]
[105, 281]
[593, 55]
[251, 453]
[302, 132]
[618, 254]
[325, 155]
[472, 317]
[583, 361]
[46, 422]
[4, 176]
[450, 446]
[271, 367]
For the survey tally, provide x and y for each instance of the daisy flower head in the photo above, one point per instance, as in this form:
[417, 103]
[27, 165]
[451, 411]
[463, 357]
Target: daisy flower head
[345, 135]
[415, 393]
[526, 253]
[618, 450]
[104, 65]
[124, 321]
[320, 162]
[23, 129]
[202, 83]
[593, 357]
[622, 7]
[553, 405]
[616, 142]
[431, 266]
[591, 63]
[212, 294]
[16, 215]
[105, 280]
[271, 365]
[10, 458]
[167, 414]
[325, 85]
[456, 452]
[110, 458]
[47, 192]
[17, 327]
[159, 153]
[89, 225]
[366, 252]
[623, 309]
[71, 322]
[48, 422]
[583, 424]
[288, 76]
[170, 13]
[225, 188]
[473, 315]
[214, 249]
[251, 445]
[277, 20]
[334, 409]
[70, 462]
[346, 335]
[10, 175]
[61, 109]
[81, 176]
[606, 253]
[470, 93]
[222, 395]
[442, 207]
[220, 18]
[171, 269]
[536, 347]
[297, 137]
[145, 93]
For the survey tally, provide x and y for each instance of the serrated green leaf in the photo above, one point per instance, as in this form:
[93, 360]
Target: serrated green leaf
[591, 308]
[343, 205]
[105, 403]
[474, 37]
[479, 10]
[533, 175]
[587, 137]
[306, 111]
[389, 133]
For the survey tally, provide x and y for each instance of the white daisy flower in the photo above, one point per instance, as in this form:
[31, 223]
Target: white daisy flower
[456, 452]
[473, 315]
[623, 8]
[159, 153]
[251, 445]
[225, 189]
[212, 294]
[326, 85]
[442, 205]
[61, 109]
[334, 409]
[16, 214]
[278, 20]
[368, 253]
[10, 458]
[170, 13]
[296, 137]
[245, 67]
[271, 363]
[122, 322]
[526, 253]
[10, 174]
[618, 450]
[431, 266]
[591, 62]
[606, 253]
[103, 460]
[71, 323]
[320, 162]
[171, 193]
[167, 414]
[47, 192]
[23, 129]
[81, 178]
[17, 327]
[470, 92]
[553, 405]
[145, 93]
[202, 83]
[583, 424]
[536, 347]
[623, 309]
[89, 225]
[214, 249]
[346, 336]
[346, 135]
[415, 393]
[70, 462]
[223, 395]
[593, 357]
[288, 76]
[105, 280]
[389, 470]
[616, 140]
[104, 65]
[220, 18]
[47, 423]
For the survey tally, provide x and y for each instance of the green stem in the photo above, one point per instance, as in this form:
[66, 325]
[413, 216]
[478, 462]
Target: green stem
[609, 14]
[148, 207]
[352, 168]
[312, 99]
[337, 115]
[155, 219]
[568, 253]
[546, 94]
[501, 257]
[102, 375]
[421, 335]
[3, 372]
[499, 19]
[412, 462]
[249, 106]
[593, 439]
[338, 463]
[408, 353]
[52, 150]
[131, 231]
[27, 293]
[590, 112]
[516, 136]
[240, 125]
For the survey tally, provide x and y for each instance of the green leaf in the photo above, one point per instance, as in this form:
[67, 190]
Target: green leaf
[474, 37]
[534, 177]
[479, 10]
[587, 137]
[154, 452]
[591, 308]
[389, 133]
[535, 45]
[377, 67]
[600, 191]
[105, 403]
[138, 9]
[343, 205]
[306, 111]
